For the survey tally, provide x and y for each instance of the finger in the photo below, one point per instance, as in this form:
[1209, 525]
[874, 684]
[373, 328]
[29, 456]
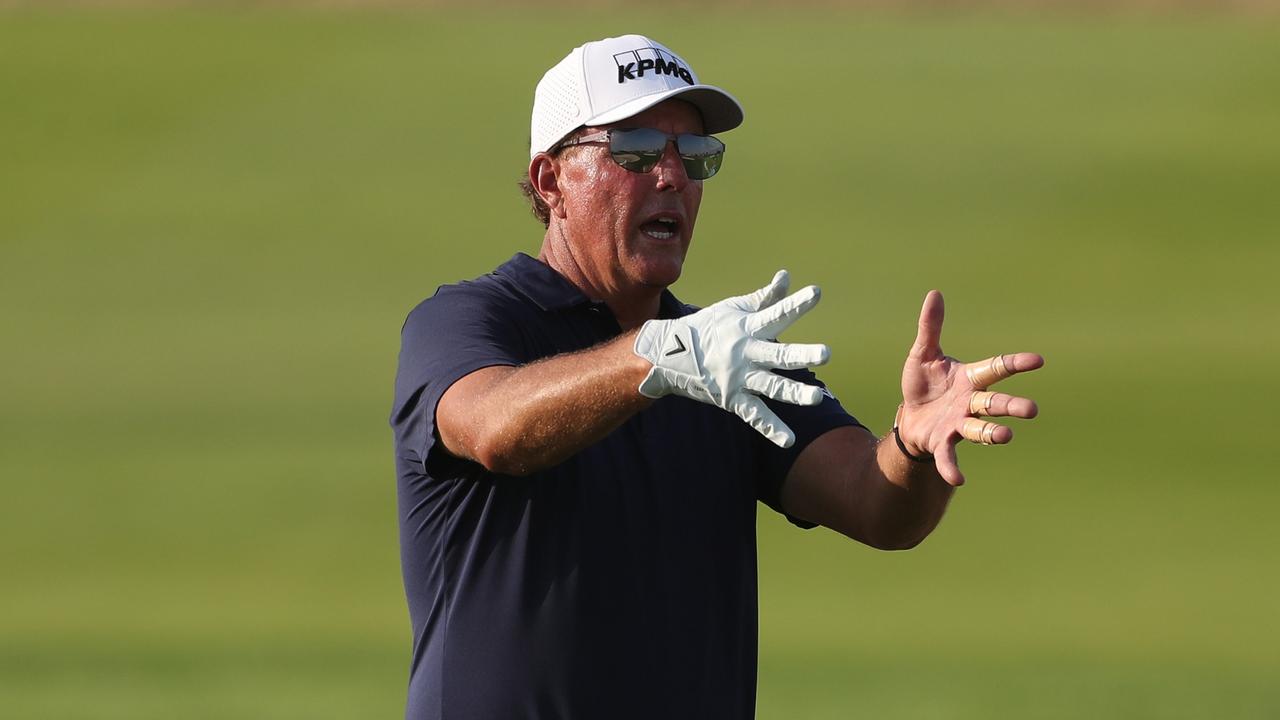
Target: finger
[928, 344]
[948, 466]
[765, 296]
[1024, 362]
[758, 415]
[984, 433]
[769, 322]
[994, 404]
[780, 388]
[985, 373]
[789, 356]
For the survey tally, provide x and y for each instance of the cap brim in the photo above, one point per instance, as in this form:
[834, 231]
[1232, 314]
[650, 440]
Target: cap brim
[720, 110]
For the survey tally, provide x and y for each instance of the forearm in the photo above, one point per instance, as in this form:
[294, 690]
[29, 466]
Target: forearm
[517, 420]
[866, 489]
[523, 419]
[907, 498]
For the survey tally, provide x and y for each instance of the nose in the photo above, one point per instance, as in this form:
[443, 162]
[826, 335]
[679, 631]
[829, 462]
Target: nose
[670, 169]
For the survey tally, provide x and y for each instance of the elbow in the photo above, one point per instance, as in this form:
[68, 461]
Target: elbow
[501, 462]
[500, 465]
[502, 455]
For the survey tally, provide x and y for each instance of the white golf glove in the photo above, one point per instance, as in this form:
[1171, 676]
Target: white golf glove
[722, 355]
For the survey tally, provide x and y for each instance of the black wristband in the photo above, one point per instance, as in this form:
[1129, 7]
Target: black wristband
[902, 447]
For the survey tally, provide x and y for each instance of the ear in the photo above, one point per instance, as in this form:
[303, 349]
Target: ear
[544, 175]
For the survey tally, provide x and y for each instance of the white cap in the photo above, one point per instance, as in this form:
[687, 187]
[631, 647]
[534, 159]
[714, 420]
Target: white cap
[609, 80]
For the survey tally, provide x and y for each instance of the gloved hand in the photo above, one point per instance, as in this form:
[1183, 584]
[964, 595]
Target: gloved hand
[722, 354]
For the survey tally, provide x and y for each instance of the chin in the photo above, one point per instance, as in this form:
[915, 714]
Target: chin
[660, 272]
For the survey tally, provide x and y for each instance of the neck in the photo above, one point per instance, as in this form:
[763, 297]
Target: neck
[631, 306]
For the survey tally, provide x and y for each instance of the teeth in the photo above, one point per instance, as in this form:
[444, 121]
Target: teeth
[669, 231]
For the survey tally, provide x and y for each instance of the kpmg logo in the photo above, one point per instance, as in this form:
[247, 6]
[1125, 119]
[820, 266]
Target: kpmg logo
[635, 63]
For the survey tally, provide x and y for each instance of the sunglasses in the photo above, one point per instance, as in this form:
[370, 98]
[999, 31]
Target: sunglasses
[640, 149]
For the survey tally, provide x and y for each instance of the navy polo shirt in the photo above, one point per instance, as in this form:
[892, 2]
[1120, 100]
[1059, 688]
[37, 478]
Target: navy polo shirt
[620, 583]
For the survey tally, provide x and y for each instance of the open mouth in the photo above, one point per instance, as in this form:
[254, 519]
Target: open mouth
[661, 228]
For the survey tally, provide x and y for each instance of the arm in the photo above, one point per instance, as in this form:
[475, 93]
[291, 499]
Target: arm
[515, 420]
[868, 489]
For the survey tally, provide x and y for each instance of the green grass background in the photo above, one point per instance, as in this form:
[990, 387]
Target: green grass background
[212, 223]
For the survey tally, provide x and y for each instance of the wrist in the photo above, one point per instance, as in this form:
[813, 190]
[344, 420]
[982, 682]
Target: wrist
[642, 372]
[912, 454]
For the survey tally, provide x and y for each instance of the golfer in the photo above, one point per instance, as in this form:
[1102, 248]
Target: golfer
[580, 454]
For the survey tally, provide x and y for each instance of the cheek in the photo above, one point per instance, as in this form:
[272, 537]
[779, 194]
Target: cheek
[574, 180]
[693, 199]
[591, 191]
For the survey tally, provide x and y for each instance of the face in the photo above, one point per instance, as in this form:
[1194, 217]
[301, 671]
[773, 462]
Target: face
[627, 230]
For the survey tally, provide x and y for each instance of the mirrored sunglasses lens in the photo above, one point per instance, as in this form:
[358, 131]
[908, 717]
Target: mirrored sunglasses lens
[701, 155]
[637, 150]
[701, 168]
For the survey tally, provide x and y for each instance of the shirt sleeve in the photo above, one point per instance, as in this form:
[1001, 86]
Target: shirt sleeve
[445, 338]
[808, 423]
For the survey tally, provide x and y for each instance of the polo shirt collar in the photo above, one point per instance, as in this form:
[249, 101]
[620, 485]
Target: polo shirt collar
[551, 291]
[544, 286]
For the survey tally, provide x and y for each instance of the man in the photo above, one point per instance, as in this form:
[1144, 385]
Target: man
[580, 455]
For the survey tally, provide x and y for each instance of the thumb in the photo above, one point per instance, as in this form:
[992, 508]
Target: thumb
[928, 344]
[764, 297]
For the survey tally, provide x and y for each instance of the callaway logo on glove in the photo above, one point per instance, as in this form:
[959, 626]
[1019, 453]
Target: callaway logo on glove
[723, 355]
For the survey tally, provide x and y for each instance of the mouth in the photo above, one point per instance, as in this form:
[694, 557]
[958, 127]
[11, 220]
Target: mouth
[662, 227]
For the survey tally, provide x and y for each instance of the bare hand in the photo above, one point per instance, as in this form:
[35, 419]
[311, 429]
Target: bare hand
[942, 396]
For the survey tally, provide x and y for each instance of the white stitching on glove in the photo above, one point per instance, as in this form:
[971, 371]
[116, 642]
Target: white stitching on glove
[723, 354]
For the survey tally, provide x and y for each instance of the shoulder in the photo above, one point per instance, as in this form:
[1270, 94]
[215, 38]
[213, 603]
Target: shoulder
[488, 297]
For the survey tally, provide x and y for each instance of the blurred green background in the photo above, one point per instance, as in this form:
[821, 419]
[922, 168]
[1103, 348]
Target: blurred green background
[213, 222]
